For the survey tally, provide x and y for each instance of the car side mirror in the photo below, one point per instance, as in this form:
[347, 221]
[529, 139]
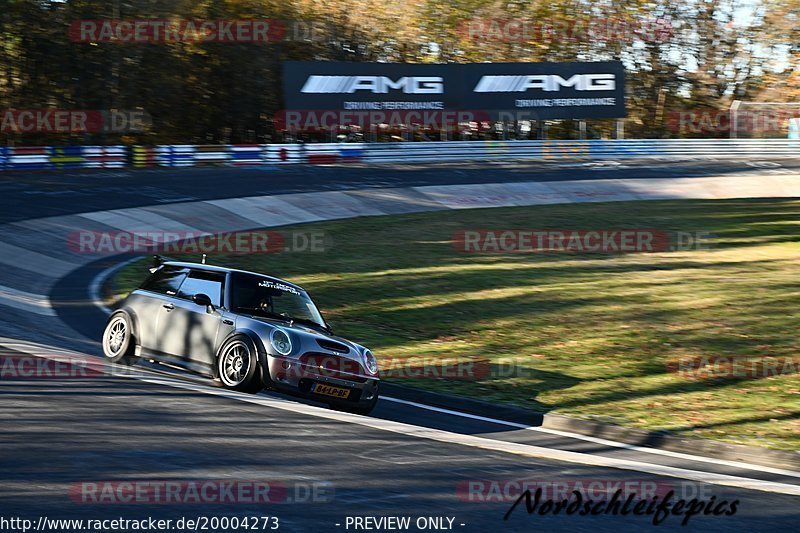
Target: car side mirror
[202, 299]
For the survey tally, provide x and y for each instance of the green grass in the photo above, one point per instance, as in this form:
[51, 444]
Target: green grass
[591, 335]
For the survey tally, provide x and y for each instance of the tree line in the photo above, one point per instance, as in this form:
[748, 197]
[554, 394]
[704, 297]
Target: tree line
[680, 56]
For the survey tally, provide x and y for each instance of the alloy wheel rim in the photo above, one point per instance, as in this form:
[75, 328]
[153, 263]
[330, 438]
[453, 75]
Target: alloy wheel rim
[115, 336]
[235, 364]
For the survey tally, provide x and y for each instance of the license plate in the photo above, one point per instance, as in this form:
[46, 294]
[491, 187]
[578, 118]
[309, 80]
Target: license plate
[327, 390]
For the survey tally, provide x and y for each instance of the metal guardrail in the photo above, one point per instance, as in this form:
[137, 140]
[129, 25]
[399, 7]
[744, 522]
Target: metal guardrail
[58, 157]
[582, 150]
[47, 157]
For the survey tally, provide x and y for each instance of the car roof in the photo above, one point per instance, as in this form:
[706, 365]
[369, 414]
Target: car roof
[213, 268]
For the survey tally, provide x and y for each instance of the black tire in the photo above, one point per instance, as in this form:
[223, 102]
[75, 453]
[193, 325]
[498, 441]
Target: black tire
[119, 343]
[237, 365]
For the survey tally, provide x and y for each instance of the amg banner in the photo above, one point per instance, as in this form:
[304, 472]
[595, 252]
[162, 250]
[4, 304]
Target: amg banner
[368, 86]
[546, 90]
[510, 91]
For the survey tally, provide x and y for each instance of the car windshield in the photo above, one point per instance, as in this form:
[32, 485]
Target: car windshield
[259, 295]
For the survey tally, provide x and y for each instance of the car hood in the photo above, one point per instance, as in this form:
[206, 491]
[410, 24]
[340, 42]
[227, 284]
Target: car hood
[309, 338]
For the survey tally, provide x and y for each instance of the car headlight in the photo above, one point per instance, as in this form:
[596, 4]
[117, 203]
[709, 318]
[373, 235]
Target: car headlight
[280, 341]
[370, 362]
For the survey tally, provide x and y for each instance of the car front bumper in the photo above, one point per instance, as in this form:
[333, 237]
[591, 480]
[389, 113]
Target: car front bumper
[288, 374]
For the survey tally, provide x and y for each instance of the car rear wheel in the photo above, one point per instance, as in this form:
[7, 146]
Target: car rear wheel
[237, 365]
[118, 343]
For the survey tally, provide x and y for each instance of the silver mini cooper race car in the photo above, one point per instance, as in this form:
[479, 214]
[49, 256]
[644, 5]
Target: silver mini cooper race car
[248, 330]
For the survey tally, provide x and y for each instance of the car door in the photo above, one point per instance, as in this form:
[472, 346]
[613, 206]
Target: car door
[189, 330]
[158, 290]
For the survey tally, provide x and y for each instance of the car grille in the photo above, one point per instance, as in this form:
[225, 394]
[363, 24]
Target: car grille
[332, 366]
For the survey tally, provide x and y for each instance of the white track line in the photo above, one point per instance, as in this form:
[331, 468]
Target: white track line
[26, 301]
[465, 440]
[97, 283]
[604, 442]
[485, 443]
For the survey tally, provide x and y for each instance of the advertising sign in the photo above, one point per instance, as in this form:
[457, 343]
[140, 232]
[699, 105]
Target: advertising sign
[511, 91]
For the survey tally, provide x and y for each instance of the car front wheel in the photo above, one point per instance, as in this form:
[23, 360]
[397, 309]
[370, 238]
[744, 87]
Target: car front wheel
[118, 343]
[237, 365]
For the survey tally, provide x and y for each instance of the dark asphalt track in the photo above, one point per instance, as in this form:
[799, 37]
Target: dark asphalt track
[59, 434]
[34, 195]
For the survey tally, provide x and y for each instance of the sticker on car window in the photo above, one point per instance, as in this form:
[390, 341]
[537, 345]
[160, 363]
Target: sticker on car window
[279, 286]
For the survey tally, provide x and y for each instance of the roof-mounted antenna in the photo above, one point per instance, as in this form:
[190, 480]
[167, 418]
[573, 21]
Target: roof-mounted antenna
[157, 262]
[204, 259]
